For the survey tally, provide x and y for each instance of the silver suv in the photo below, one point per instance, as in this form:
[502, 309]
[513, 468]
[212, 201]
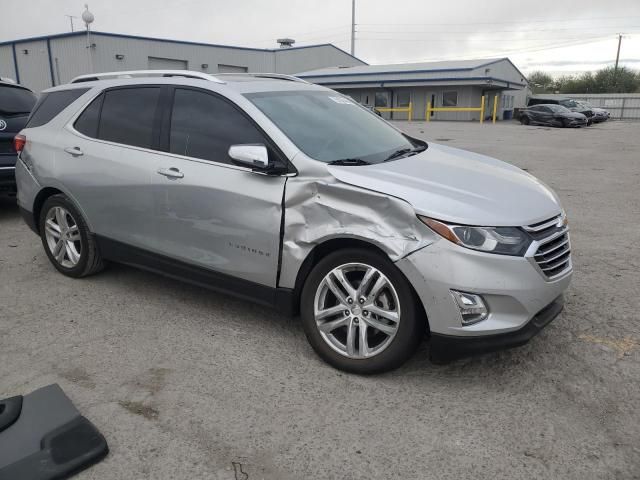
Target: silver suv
[292, 195]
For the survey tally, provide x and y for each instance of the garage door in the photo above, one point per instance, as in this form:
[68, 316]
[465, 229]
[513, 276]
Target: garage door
[157, 63]
[222, 68]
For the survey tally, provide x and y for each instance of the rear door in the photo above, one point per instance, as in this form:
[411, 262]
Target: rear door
[210, 212]
[107, 159]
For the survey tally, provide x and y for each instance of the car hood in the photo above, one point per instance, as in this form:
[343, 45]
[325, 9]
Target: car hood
[458, 186]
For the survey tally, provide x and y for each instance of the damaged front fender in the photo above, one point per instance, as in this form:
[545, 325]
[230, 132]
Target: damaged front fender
[318, 209]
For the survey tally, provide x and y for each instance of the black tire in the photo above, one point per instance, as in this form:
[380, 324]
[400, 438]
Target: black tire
[524, 120]
[90, 260]
[563, 123]
[411, 327]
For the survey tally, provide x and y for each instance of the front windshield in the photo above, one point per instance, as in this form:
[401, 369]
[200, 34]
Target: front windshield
[558, 108]
[330, 127]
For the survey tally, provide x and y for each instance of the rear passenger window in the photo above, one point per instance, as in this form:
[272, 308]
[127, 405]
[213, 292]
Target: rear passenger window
[205, 126]
[51, 104]
[87, 122]
[128, 115]
[15, 100]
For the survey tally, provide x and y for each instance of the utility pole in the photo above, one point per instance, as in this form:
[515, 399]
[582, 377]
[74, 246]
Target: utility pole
[617, 54]
[353, 27]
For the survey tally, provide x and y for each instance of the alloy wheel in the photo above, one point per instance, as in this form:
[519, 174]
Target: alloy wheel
[357, 310]
[63, 237]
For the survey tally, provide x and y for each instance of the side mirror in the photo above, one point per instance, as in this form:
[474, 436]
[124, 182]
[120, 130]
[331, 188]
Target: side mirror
[252, 155]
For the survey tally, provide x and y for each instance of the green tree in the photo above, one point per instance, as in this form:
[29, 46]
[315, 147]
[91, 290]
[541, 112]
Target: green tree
[541, 82]
[622, 80]
[606, 80]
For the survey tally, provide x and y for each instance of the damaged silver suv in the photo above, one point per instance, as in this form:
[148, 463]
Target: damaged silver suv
[290, 194]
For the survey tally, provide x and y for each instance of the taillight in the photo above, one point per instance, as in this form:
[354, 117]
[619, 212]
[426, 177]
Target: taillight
[19, 142]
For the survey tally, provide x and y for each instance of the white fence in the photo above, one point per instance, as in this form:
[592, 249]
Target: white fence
[622, 106]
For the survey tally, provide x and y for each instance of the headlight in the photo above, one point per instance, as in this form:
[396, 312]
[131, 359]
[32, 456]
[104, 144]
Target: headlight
[501, 240]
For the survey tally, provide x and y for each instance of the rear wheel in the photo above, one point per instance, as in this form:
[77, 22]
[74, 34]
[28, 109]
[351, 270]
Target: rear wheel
[359, 312]
[67, 240]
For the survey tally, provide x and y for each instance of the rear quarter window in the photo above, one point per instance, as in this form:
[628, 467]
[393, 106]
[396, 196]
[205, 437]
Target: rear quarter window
[16, 100]
[51, 104]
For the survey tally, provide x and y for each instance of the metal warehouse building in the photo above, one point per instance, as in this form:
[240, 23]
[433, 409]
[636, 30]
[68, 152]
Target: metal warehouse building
[444, 84]
[42, 62]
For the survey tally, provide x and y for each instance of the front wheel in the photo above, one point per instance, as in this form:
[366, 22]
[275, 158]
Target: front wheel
[67, 240]
[359, 312]
[524, 120]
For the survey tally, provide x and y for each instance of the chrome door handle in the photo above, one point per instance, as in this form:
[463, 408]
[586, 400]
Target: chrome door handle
[75, 151]
[171, 172]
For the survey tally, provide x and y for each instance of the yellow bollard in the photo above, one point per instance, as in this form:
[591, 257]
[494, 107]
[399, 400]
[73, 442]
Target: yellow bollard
[482, 109]
[410, 111]
[495, 108]
[428, 113]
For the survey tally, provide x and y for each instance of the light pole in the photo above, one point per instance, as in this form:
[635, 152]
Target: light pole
[353, 27]
[88, 18]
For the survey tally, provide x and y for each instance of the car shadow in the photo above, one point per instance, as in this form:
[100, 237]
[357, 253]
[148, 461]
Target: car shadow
[255, 318]
[8, 208]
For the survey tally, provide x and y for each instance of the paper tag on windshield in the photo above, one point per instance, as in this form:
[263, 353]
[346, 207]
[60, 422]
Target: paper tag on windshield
[342, 100]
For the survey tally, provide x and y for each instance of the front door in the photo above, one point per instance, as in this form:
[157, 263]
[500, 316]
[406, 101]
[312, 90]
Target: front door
[210, 212]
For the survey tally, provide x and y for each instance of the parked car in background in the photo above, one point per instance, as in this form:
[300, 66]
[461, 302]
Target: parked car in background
[599, 114]
[291, 195]
[568, 103]
[16, 103]
[553, 115]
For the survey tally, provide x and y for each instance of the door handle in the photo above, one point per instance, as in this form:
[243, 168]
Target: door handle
[171, 172]
[75, 151]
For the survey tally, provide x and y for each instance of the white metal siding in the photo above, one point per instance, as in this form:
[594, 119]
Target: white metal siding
[301, 59]
[69, 57]
[34, 65]
[6, 63]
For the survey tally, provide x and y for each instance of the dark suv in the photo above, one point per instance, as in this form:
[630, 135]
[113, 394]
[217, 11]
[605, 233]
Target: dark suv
[16, 103]
[569, 103]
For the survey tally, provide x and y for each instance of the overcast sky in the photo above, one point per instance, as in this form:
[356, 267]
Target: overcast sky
[583, 33]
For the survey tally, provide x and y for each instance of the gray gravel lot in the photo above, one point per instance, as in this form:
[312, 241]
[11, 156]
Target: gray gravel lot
[186, 383]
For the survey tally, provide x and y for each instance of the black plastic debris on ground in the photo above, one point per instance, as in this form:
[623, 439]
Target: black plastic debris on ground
[43, 436]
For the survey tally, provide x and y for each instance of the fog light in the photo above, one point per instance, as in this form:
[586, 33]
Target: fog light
[472, 308]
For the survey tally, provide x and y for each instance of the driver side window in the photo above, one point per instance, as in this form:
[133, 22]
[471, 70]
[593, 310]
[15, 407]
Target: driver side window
[205, 126]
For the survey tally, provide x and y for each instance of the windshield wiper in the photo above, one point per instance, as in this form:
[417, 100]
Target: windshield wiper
[349, 162]
[405, 151]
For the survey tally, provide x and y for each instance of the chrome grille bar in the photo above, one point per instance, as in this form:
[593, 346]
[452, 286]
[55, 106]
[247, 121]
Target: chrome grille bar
[552, 254]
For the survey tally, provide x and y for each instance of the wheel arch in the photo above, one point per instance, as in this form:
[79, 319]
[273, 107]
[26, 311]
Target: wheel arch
[42, 197]
[38, 202]
[329, 246]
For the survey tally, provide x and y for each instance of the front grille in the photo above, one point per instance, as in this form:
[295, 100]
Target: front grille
[553, 254]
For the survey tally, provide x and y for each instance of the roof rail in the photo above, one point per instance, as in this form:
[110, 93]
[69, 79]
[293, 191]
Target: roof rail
[278, 76]
[145, 73]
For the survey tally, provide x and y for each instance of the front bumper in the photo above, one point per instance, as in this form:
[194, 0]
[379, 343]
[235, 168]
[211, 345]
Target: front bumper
[513, 289]
[446, 348]
[578, 122]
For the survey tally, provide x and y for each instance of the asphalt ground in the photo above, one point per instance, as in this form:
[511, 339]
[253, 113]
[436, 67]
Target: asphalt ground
[189, 384]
